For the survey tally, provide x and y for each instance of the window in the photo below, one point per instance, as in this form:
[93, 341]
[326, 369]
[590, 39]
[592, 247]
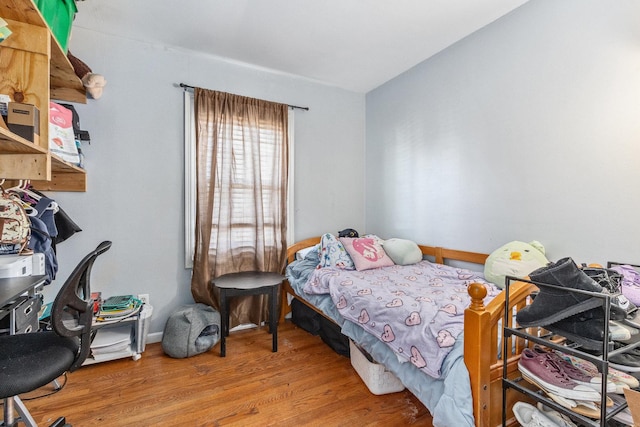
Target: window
[240, 187]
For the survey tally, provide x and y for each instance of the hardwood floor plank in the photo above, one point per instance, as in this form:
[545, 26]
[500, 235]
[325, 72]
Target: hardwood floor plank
[304, 383]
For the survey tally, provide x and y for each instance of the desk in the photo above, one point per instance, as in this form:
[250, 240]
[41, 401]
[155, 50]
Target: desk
[13, 287]
[248, 283]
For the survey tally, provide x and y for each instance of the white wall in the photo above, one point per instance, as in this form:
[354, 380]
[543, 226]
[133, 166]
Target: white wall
[135, 162]
[527, 129]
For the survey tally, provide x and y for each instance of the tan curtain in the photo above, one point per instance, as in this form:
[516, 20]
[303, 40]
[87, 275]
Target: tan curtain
[241, 202]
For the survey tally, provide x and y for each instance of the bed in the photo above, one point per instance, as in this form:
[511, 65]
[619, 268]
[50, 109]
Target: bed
[467, 390]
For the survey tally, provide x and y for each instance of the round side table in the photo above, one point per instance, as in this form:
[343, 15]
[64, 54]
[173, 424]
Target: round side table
[248, 283]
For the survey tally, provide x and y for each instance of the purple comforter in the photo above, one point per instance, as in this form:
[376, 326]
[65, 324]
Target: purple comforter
[417, 310]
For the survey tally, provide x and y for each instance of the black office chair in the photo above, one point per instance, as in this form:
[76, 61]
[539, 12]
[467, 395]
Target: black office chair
[30, 361]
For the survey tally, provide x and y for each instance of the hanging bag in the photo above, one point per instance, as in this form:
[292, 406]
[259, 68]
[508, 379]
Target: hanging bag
[15, 227]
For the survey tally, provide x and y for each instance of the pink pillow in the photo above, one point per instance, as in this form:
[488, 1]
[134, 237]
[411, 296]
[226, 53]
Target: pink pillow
[366, 252]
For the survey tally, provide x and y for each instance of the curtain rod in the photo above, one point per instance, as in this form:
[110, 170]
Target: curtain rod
[186, 86]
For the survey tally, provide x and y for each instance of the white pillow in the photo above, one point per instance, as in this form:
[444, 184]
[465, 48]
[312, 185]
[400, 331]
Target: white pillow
[302, 253]
[402, 251]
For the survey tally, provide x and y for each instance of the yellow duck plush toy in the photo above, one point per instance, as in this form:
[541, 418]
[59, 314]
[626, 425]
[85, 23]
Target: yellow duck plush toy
[516, 259]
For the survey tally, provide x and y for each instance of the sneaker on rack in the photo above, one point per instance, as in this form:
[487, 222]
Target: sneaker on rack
[621, 379]
[611, 280]
[633, 319]
[620, 385]
[543, 371]
[582, 407]
[627, 361]
[628, 324]
[529, 416]
[576, 374]
[555, 416]
[586, 329]
[619, 332]
[553, 304]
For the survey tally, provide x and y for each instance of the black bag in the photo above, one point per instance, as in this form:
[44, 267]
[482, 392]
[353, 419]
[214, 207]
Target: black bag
[348, 232]
[304, 317]
[332, 336]
[80, 135]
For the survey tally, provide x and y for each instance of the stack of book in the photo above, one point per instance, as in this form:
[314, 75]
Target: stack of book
[111, 343]
[118, 307]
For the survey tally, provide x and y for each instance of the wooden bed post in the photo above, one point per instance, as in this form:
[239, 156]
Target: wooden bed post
[286, 287]
[477, 357]
[284, 303]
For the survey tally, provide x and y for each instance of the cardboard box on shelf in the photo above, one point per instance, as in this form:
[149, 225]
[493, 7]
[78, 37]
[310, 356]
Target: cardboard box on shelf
[24, 120]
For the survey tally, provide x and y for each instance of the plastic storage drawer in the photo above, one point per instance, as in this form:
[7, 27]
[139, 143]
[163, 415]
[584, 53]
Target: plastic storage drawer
[21, 316]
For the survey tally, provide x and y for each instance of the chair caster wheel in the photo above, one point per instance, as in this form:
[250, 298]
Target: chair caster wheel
[60, 422]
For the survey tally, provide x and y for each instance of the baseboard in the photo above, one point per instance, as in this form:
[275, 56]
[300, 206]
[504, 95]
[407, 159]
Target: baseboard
[154, 337]
[157, 336]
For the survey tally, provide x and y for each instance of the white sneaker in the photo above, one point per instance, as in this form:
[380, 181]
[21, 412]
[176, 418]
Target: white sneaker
[555, 416]
[618, 332]
[529, 416]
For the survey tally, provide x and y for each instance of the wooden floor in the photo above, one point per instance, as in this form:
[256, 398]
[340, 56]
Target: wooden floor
[304, 384]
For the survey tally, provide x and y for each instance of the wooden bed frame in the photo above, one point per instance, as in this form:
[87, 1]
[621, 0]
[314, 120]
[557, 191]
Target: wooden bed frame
[482, 332]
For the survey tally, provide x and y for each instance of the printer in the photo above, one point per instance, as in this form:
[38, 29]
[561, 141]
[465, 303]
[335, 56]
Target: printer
[21, 265]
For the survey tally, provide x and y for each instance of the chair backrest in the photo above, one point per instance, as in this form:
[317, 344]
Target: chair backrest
[72, 311]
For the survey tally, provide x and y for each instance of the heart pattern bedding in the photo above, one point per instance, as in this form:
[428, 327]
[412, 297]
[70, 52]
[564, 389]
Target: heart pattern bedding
[417, 310]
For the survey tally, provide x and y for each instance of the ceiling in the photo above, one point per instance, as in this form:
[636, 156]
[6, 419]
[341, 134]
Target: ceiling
[352, 44]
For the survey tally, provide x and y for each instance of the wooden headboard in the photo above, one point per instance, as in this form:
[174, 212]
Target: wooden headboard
[441, 255]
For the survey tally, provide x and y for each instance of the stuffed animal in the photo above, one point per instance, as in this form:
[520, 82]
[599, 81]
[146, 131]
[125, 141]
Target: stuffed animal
[92, 82]
[514, 259]
[348, 232]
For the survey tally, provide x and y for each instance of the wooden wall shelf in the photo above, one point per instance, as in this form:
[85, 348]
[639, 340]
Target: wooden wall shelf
[34, 69]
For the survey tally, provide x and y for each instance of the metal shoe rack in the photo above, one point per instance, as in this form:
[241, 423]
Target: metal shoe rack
[538, 335]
